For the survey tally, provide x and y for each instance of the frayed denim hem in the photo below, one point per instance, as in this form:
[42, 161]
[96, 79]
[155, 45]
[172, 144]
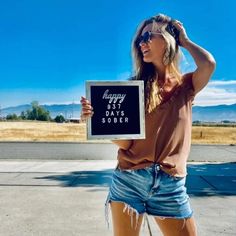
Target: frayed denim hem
[131, 211]
[127, 208]
[172, 217]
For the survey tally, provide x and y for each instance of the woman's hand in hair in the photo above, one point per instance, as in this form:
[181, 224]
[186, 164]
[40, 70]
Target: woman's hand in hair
[183, 37]
[87, 109]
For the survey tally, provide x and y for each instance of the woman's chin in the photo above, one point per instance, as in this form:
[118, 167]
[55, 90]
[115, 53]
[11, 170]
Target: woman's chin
[147, 60]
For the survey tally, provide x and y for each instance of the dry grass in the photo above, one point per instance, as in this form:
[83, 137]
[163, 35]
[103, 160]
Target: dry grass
[213, 135]
[69, 132]
[42, 131]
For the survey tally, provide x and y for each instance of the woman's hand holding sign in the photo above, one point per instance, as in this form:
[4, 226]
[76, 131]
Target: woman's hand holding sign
[87, 109]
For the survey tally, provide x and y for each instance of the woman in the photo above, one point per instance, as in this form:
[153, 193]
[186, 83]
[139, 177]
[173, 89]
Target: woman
[151, 173]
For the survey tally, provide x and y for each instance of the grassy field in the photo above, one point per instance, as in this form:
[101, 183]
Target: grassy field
[42, 131]
[69, 132]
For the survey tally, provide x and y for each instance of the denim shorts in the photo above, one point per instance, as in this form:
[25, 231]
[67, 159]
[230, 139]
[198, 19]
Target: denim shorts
[150, 190]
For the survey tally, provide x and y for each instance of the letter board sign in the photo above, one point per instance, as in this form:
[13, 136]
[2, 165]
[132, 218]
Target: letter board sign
[118, 110]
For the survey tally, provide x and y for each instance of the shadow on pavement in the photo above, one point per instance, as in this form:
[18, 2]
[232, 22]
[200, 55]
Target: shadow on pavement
[212, 179]
[83, 178]
[202, 179]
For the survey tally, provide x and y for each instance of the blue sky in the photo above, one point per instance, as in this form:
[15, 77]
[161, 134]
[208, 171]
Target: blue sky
[48, 48]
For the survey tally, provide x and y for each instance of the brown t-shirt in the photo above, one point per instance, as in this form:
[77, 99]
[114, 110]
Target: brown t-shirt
[168, 135]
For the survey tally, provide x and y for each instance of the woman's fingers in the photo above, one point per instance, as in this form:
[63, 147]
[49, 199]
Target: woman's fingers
[84, 101]
[178, 25]
[178, 22]
[183, 38]
[87, 109]
[87, 112]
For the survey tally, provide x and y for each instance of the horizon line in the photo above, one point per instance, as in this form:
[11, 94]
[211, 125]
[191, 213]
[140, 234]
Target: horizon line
[78, 103]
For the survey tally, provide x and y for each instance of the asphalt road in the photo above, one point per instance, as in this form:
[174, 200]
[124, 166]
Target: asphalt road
[101, 151]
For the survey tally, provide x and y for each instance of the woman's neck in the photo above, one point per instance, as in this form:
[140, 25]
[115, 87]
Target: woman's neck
[161, 72]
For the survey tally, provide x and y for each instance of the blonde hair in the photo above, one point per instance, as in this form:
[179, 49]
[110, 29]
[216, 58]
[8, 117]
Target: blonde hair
[146, 71]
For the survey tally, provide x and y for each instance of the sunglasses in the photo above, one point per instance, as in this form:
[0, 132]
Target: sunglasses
[146, 37]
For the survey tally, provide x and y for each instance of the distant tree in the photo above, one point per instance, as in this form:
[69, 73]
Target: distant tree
[12, 117]
[37, 113]
[23, 115]
[196, 121]
[60, 119]
[226, 121]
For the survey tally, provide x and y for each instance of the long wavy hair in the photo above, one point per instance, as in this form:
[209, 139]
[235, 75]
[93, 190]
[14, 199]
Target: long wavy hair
[146, 71]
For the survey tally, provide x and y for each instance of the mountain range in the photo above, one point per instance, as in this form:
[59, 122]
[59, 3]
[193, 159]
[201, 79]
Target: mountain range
[206, 114]
[68, 111]
[215, 113]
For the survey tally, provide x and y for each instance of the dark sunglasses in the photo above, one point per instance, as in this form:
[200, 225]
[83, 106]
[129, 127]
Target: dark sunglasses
[145, 38]
[171, 29]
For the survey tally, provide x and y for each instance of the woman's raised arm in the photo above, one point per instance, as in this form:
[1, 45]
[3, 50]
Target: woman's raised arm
[204, 60]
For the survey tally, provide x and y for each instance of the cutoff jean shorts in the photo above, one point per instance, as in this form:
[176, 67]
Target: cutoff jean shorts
[150, 190]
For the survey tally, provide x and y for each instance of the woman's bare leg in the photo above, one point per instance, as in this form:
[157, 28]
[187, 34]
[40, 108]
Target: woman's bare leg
[177, 227]
[122, 221]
